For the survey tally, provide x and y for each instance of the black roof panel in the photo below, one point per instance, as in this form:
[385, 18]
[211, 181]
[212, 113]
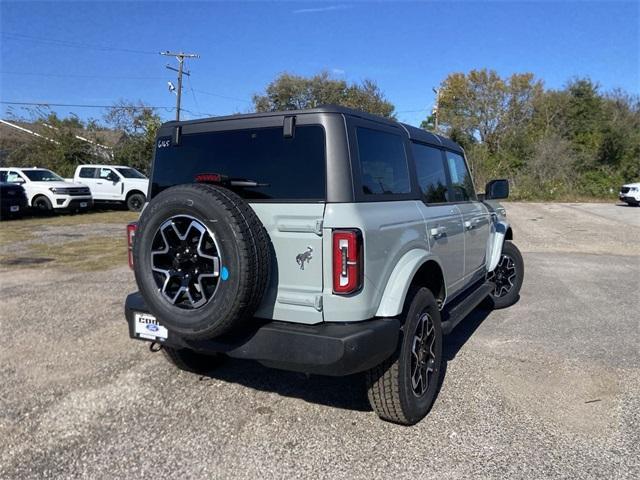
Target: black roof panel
[413, 132]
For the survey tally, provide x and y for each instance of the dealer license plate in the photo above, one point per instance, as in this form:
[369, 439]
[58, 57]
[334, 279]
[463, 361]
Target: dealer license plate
[147, 326]
[14, 208]
[83, 204]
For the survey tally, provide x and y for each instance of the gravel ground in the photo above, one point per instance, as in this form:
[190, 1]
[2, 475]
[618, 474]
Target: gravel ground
[549, 388]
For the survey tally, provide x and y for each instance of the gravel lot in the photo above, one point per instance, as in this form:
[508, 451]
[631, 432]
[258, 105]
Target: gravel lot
[548, 388]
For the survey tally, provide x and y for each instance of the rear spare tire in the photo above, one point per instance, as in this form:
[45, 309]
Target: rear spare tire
[202, 259]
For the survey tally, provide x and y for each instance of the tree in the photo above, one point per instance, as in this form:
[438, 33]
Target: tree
[482, 107]
[138, 124]
[58, 148]
[294, 92]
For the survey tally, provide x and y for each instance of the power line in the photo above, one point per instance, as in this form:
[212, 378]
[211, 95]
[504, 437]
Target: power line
[66, 75]
[49, 104]
[222, 96]
[66, 43]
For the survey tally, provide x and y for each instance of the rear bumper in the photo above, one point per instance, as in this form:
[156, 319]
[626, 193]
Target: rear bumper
[334, 349]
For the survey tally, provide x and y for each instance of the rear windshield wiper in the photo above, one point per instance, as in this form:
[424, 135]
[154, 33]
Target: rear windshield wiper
[246, 183]
[219, 179]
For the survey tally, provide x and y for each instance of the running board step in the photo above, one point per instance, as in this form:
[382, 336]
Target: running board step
[453, 315]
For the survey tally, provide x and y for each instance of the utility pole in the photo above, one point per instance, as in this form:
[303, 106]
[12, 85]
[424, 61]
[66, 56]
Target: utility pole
[436, 108]
[180, 57]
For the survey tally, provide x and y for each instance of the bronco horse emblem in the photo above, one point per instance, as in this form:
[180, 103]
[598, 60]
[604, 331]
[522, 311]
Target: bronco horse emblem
[304, 257]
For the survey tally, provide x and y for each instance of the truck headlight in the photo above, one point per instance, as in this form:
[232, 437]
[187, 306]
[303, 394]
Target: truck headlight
[59, 191]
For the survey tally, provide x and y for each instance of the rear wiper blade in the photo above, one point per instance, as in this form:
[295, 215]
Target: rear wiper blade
[247, 183]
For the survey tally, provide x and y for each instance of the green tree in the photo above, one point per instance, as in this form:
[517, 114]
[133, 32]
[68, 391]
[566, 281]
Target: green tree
[58, 148]
[138, 125]
[294, 92]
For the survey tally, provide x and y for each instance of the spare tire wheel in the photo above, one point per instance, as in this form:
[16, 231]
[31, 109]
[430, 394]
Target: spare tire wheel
[202, 259]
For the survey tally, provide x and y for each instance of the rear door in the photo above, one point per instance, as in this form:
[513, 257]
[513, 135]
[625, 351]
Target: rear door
[443, 220]
[475, 215]
[290, 171]
[87, 176]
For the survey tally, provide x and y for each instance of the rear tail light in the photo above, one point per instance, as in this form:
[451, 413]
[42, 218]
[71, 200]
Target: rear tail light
[131, 233]
[347, 261]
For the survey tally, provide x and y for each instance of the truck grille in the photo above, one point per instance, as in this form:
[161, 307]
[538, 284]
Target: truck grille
[76, 192]
[624, 190]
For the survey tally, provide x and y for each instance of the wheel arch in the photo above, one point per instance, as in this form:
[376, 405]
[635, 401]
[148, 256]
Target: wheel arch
[416, 267]
[133, 191]
[36, 196]
[500, 232]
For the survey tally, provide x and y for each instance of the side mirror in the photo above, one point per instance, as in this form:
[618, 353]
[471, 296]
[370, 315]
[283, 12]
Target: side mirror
[497, 189]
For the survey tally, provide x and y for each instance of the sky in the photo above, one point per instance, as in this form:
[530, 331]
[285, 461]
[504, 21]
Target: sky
[95, 53]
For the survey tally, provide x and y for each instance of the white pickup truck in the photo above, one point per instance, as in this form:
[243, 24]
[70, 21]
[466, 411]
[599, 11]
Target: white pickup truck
[114, 183]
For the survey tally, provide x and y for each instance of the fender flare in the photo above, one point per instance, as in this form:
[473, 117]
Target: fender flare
[500, 231]
[133, 190]
[400, 280]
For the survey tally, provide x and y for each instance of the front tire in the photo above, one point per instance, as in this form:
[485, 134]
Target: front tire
[402, 389]
[42, 204]
[190, 361]
[507, 276]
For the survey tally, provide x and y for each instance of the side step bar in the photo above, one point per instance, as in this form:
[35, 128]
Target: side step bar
[453, 314]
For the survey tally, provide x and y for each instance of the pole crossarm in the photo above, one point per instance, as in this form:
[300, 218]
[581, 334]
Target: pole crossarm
[180, 56]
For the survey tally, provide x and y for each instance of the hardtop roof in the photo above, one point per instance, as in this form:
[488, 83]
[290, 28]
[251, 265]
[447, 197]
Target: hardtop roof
[414, 133]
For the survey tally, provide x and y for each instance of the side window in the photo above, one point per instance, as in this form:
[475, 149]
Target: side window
[14, 177]
[430, 169]
[105, 172]
[109, 174]
[461, 183]
[86, 172]
[383, 161]
[3, 176]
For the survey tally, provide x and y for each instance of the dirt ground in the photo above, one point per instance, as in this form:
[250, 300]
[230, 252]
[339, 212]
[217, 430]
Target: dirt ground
[549, 388]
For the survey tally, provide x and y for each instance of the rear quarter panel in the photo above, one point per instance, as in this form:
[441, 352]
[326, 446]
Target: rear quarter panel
[390, 230]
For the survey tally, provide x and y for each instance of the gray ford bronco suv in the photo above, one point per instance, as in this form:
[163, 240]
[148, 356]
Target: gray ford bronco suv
[326, 241]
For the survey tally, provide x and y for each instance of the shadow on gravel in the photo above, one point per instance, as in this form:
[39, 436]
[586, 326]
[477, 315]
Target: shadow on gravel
[347, 393]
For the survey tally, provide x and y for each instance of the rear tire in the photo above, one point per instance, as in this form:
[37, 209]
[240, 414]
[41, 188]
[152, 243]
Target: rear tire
[190, 361]
[402, 389]
[135, 202]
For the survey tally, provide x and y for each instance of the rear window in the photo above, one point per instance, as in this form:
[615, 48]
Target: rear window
[288, 168]
[87, 172]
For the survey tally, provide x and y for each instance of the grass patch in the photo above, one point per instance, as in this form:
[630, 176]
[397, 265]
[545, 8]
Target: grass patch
[90, 253]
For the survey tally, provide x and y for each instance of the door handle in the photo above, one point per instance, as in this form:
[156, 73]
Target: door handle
[99, 183]
[470, 225]
[438, 232]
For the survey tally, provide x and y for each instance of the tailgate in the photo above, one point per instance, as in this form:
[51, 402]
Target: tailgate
[295, 288]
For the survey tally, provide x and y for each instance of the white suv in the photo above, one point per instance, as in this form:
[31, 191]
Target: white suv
[630, 193]
[47, 191]
[114, 183]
